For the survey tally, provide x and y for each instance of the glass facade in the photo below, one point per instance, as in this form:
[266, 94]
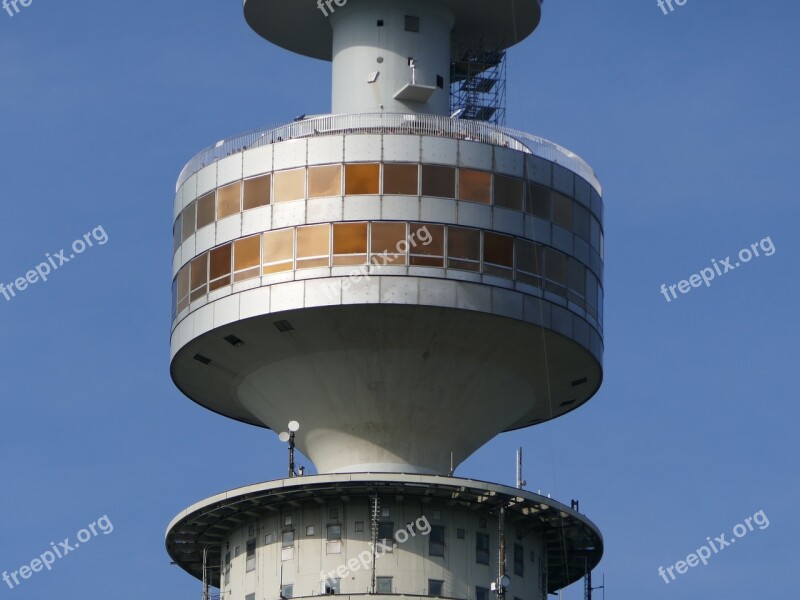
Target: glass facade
[389, 243]
[411, 179]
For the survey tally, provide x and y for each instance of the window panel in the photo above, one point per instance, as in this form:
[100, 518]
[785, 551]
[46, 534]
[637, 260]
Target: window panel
[362, 178]
[250, 561]
[464, 248]
[576, 281]
[475, 186]
[383, 585]
[387, 239]
[401, 178]
[199, 277]
[538, 201]
[325, 181]
[581, 222]
[177, 233]
[278, 250]
[183, 288]
[247, 258]
[349, 243]
[508, 192]
[334, 532]
[289, 185]
[206, 210]
[519, 560]
[220, 267]
[529, 260]
[187, 218]
[555, 264]
[313, 246]
[498, 254]
[482, 548]
[287, 539]
[481, 593]
[562, 210]
[591, 289]
[435, 587]
[426, 247]
[257, 191]
[436, 541]
[438, 181]
[229, 200]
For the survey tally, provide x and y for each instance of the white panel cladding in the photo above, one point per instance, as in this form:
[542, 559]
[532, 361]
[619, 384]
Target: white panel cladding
[322, 210]
[226, 310]
[434, 292]
[287, 296]
[287, 214]
[207, 179]
[583, 192]
[187, 249]
[563, 180]
[475, 155]
[361, 290]
[509, 162]
[323, 292]
[185, 330]
[459, 275]
[538, 169]
[189, 191]
[507, 303]
[177, 204]
[203, 320]
[561, 320]
[290, 154]
[256, 220]
[362, 208]
[229, 169]
[177, 263]
[401, 148]
[325, 149]
[205, 239]
[257, 161]
[495, 281]
[229, 228]
[438, 210]
[315, 273]
[509, 221]
[362, 148]
[541, 231]
[439, 151]
[243, 286]
[472, 214]
[254, 302]
[596, 345]
[220, 293]
[562, 239]
[470, 296]
[536, 311]
[400, 208]
[399, 290]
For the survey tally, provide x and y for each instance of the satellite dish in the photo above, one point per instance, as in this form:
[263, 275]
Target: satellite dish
[283, 436]
[294, 426]
[505, 581]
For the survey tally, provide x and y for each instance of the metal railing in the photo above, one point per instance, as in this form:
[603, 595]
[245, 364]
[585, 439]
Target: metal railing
[395, 124]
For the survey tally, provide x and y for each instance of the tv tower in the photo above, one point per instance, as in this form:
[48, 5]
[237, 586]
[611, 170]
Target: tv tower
[390, 285]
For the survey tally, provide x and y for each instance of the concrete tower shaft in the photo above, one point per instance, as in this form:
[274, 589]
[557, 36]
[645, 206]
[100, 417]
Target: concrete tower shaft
[372, 43]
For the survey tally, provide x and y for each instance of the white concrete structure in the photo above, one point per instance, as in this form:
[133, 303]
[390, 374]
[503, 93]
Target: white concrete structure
[405, 285]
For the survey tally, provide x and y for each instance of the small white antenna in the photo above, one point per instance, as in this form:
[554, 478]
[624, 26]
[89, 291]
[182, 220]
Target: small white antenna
[520, 481]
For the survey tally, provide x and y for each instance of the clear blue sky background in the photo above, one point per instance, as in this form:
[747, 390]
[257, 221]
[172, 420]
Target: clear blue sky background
[691, 122]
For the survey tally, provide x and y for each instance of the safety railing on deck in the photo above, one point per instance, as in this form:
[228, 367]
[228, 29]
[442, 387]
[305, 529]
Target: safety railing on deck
[397, 124]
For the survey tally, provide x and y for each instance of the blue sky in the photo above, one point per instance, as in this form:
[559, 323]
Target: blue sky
[690, 120]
